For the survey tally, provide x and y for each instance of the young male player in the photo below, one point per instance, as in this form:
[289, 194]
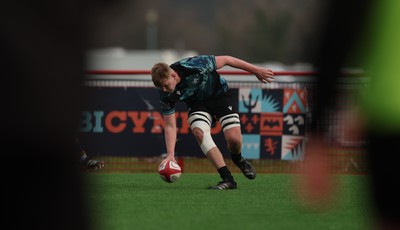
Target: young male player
[196, 82]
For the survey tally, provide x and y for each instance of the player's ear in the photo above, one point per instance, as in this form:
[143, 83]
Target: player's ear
[173, 73]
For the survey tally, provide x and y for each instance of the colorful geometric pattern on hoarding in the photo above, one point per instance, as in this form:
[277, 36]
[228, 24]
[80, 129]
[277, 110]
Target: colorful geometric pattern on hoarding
[295, 101]
[273, 123]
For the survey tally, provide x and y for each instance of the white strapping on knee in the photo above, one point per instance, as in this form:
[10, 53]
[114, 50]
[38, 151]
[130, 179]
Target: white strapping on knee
[198, 116]
[202, 121]
[230, 121]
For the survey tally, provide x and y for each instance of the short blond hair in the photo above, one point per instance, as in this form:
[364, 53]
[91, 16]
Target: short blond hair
[159, 72]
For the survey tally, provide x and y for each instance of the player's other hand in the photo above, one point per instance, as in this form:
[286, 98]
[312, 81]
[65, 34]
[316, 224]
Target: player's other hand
[265, 75]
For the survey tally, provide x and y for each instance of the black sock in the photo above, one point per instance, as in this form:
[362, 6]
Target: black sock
[225, 173]
[236, 157]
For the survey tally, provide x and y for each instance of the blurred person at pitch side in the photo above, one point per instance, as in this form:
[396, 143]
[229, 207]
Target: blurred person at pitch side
[345, 29]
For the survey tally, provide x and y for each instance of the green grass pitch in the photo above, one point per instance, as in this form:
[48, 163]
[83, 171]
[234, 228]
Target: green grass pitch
[144, 201]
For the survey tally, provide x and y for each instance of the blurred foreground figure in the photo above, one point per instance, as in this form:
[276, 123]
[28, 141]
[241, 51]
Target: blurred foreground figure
[42, 64]
[349, 23]
[382, 110]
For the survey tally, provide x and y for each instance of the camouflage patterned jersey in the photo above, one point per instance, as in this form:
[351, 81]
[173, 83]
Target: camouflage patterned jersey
[199, 81]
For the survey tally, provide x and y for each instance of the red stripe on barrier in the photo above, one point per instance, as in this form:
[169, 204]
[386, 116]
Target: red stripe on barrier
[223, 72]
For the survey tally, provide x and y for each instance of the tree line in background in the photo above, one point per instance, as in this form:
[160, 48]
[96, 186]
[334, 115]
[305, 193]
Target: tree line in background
[255, 30]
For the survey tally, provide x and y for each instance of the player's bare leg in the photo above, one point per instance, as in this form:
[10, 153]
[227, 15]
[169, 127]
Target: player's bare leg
[216, 158]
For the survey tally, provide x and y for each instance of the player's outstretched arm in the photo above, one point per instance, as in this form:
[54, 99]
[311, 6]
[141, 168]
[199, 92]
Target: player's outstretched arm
[264, 75]
[170, 136]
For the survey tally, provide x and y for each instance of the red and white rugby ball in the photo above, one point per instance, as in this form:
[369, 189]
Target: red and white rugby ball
[169, 171]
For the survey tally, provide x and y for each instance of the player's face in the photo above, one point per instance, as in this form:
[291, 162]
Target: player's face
[169, 84]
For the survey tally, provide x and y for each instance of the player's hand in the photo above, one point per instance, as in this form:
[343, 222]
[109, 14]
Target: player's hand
[169, 158]
[265, 75]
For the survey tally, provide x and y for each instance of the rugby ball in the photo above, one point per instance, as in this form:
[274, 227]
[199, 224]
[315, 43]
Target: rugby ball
[169, 171]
